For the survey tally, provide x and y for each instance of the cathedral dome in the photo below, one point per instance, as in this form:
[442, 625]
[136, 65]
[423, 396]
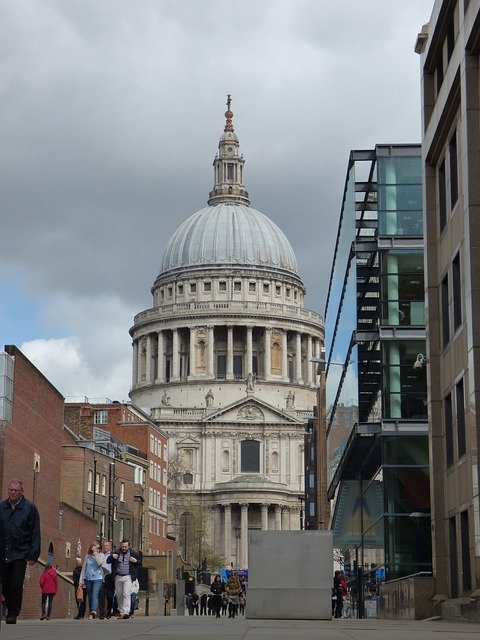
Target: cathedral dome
[229, 234]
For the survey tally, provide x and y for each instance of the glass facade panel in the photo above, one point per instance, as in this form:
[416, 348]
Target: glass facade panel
[406, 451]
[404, 387]
[400, 196]
[408, 545]
[402, 288]
[407, 489]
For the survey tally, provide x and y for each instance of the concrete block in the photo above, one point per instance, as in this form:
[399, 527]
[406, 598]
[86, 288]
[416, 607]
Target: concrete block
[290, 575]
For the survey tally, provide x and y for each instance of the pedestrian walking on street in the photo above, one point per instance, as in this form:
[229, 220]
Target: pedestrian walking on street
[125, 563]
[203, 604]
[107, 590]
[337, 595]
[217, 589]
[49, 585]
[233, 589]
[80, 591]
[91, 577]
[20, 542]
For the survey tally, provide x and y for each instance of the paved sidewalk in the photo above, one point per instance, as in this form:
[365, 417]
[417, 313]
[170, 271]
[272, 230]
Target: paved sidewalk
[203, 628]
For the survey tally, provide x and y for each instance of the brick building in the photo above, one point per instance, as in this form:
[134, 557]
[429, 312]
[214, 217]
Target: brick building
[143, 446]
[31, 434]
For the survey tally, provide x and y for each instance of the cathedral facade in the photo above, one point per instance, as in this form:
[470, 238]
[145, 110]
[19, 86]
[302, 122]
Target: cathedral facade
[222, 362]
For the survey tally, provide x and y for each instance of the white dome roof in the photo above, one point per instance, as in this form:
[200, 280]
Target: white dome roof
[229, 234]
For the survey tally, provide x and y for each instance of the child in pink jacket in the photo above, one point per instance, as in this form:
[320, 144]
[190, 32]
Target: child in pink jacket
[49, 586]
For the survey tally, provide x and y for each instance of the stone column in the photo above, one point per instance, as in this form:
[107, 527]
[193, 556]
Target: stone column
[249, 350]
[298, 359]
[285, 519]
[175, 356]
[160, 359]
[135, 363]
[148, 359]
[211, 353]
[278, 517]
[285, 356]
[265, 517]
[227, 508]
[217, 525]
[229, 352]
[268, 352]
[192, 354]
[244, 536]
[309, 357]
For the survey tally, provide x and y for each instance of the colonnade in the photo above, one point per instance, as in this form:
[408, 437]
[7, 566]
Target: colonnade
[233, 520]
[225, 352]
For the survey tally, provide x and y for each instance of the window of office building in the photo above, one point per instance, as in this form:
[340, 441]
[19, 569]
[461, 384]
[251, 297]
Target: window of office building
[402, 288]
[445, 312]
[465, 538]
[447, 413]
[457, 292]
[460, 407]
[452, 152]
[442, 196]
[399, 194]
[404, 386]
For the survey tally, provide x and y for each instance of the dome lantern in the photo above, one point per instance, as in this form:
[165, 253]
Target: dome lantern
[228, 167]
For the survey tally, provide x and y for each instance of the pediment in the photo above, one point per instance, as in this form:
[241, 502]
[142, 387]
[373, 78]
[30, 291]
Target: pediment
[251, 410]
[188, 442]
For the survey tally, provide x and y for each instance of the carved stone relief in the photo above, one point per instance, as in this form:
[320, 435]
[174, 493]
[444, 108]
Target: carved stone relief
[250, 412]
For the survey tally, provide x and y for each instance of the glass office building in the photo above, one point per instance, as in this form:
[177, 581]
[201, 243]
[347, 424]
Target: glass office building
[377, 428]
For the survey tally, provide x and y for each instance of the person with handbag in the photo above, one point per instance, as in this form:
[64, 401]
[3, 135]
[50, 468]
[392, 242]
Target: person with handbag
[80, 592]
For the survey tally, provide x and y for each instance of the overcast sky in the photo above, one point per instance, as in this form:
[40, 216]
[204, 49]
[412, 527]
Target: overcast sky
[110, 116]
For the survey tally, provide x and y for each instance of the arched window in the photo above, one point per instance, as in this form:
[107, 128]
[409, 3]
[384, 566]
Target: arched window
[250, 456]
[50, 554]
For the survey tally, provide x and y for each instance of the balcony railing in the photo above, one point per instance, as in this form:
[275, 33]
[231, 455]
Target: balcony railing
[213, 307]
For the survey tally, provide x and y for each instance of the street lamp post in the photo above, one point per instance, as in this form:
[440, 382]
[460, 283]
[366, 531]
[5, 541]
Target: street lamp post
[186, 518]
[301, 499]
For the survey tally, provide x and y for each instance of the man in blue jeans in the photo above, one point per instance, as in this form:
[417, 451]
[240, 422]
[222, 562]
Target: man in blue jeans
[21, 544]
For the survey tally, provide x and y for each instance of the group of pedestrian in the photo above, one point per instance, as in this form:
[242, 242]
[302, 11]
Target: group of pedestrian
[108, 580]
[340, 595]
[227, 595]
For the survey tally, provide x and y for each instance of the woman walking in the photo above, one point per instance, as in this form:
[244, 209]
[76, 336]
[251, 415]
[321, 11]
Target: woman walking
[91, 577]
[217, 591]
[49, 586]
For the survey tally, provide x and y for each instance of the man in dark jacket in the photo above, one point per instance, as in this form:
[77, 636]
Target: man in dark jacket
[21, 530]
[125, 563]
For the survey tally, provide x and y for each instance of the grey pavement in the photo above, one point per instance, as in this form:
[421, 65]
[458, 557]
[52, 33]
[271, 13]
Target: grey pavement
[203, 627]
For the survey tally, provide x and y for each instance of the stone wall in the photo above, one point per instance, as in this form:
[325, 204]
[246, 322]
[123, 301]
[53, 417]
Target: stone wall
[408, 598]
